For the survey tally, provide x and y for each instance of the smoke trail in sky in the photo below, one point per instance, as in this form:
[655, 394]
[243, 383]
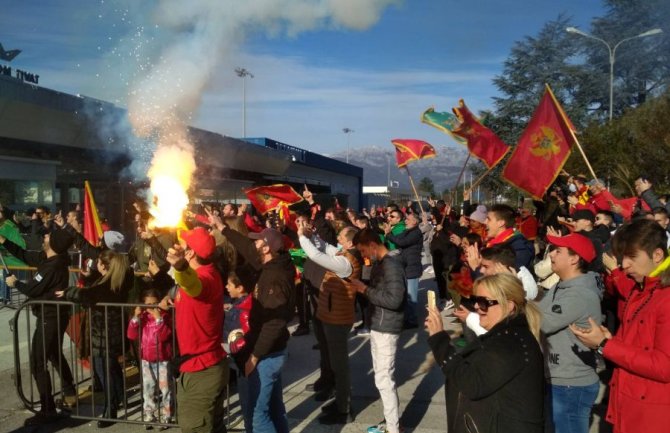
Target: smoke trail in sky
[195, 36]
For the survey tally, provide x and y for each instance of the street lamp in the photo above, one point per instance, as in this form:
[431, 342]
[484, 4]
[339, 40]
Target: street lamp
[243, 73]
[612, 52]
[347, 131]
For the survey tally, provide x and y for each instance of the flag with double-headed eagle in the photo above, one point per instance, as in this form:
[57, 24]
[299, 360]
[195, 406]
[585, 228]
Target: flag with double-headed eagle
[272, 197]
[543, 148]
[482, 143]
[445, 122]
[408, 150]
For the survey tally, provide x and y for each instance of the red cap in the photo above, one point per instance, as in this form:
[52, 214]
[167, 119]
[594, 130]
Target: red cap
[580, 244]
[200, 241]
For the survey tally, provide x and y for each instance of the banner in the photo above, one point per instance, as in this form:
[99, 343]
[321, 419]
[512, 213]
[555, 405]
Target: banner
[445, 122]
[543, 148]
[482, 142]
[272, 197]
[92, 227]
[408, 150]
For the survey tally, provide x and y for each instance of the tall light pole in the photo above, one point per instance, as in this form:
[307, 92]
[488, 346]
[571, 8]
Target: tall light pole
[243, 73]
[347, 131]
[612, 53]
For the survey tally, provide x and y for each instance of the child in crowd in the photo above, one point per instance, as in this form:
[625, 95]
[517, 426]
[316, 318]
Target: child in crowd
[155, 328]
[235, 325]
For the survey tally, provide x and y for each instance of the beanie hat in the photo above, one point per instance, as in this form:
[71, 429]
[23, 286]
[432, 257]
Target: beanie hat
[113, 240]
[60, 241]
[479, 214]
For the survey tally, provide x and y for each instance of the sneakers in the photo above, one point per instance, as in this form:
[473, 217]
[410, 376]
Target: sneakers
[363, 332]
[381, 428]
[300, 330]
[319, 385]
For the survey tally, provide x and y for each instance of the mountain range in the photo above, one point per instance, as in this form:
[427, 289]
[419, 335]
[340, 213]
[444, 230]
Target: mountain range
[379, 166]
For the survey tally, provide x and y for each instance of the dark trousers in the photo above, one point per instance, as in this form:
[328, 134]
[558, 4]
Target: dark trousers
[108, 371]
[362, 303]
[439, 269]
[47, 346]
[327, 376]
[302, 304]
[338, 351]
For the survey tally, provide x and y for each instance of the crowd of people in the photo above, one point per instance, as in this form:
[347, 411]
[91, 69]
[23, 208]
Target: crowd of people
[553, 295]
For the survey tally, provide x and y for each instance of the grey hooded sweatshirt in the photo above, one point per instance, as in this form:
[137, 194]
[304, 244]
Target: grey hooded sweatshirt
[568, 361]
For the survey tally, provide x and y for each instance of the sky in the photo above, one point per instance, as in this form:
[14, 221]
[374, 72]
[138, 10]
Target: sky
[318, 66]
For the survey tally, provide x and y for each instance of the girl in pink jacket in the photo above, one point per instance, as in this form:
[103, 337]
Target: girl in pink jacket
[153, 327]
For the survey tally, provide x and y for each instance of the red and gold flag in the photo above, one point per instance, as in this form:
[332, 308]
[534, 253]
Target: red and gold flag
[543, 148]
[272, 197]
[92, 227]
[408, 150]
[482, 142]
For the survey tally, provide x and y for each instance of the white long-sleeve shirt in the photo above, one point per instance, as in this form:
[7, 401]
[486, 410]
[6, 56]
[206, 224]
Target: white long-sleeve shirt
[325, 255]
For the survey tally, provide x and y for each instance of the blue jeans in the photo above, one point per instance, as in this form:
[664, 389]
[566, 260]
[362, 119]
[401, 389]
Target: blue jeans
[265, 395]
[412, 299]
[570, 407]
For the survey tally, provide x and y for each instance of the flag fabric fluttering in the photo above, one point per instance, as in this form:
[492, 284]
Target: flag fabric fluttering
[543, 148]
[408, 150]
[272, 197]
[92, 227]
[445, 122]
[482, 142]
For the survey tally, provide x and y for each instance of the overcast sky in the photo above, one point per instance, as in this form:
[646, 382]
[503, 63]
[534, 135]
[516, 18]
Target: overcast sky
[317, 69]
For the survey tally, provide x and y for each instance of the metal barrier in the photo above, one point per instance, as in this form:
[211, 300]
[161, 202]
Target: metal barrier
[81, 356]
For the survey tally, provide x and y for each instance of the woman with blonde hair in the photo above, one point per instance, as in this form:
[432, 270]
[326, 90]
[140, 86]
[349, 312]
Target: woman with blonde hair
[107, 324]
[496, 383]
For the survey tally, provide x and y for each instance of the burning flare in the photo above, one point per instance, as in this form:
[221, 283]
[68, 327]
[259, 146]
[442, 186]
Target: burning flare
[171, 171]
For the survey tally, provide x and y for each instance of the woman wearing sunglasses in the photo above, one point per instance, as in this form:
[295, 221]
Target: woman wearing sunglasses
[495, 384]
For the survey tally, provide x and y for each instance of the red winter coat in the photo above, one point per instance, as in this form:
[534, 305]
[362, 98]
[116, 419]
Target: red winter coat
[156, 344]
[640, 387]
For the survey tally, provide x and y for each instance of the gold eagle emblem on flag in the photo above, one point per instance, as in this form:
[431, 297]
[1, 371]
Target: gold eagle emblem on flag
[546, 143]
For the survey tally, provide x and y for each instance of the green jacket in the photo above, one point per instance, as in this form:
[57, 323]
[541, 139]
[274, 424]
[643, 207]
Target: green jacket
[396, 230]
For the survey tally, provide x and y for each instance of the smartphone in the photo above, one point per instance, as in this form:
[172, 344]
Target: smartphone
[432, 303]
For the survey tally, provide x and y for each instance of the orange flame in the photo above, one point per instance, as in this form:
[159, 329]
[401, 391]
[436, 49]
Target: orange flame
[171, 171]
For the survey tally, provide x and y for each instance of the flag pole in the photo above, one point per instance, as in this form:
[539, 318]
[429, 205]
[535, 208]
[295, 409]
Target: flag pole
[572, 132]
[416, 194]
[479, 180]
[460, 176]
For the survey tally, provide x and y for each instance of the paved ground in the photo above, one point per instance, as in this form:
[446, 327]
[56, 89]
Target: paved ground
[421, 395]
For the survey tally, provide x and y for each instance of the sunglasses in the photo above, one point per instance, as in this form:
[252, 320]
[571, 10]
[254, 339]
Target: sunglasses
[484, 303]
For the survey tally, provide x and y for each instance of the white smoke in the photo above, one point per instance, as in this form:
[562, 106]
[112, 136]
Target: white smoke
[196, 36]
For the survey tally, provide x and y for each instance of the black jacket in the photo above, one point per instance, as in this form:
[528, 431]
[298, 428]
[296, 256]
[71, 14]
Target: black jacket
[496, 383]
[410, 243]
[107, 333]
[51, 276]
[386, 294]
[274, 298]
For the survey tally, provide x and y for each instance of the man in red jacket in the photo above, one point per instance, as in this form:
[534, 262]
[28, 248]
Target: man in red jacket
[640, 387]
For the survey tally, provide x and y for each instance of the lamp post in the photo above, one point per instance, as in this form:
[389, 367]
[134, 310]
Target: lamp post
[612, 53]
[347, 131]
[243, 73]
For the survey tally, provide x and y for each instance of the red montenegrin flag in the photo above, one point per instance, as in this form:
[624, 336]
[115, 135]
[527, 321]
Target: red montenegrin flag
[272, 197]
[482, 142]
[409, 150]
[543, 148]
[92, 227]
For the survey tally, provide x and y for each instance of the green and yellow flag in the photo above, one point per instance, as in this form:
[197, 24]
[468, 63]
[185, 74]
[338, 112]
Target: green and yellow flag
[445, 122]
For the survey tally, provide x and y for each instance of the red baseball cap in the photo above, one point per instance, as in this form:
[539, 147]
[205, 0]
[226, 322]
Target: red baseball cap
[580, 244]
[200, 241]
